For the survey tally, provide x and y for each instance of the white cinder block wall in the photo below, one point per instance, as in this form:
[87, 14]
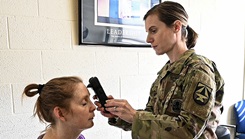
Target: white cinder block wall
[39, 41]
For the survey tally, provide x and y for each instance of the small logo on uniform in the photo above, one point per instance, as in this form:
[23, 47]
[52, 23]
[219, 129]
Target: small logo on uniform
[202, 94]
[176, 105]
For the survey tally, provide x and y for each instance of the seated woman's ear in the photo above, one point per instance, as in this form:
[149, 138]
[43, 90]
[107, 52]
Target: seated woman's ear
[59, 114]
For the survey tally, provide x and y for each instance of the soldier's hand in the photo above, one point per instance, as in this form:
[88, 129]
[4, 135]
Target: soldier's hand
[121, 108]
[102, 109]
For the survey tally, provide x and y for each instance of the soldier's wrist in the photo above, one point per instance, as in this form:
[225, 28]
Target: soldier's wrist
[113, 121]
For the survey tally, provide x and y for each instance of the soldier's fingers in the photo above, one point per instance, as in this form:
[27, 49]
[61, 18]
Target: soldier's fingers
[98, 104]
[95, 97]
[110, 97]
[116, 102]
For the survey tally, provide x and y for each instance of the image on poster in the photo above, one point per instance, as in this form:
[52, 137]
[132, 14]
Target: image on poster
[114, 22]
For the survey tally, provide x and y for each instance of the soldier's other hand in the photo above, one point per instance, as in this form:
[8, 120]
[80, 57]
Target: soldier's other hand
[102, 109]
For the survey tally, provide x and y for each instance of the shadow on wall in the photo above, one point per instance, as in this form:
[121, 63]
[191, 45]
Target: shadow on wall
[75, 27]
[231, 115]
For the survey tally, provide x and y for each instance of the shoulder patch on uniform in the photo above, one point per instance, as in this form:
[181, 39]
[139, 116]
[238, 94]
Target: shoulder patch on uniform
[202, 94]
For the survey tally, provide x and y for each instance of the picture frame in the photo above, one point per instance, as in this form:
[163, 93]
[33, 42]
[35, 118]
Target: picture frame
[113, 22]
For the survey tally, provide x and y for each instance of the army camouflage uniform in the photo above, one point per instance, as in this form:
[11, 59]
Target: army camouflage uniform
[180, 102]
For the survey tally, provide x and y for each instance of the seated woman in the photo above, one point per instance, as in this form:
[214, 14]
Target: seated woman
[65, 104]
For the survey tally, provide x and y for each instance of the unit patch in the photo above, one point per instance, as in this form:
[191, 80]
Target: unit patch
[202, 94]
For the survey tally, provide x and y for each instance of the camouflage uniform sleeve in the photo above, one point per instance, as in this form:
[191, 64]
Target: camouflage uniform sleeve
[220, 86]
[216, 111]
[117, 122]
[198, 100]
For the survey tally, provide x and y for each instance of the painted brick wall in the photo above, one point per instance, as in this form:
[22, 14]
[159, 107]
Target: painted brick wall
[38, 41]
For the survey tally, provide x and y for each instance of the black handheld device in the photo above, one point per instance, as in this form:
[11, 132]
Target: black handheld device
[99, 91]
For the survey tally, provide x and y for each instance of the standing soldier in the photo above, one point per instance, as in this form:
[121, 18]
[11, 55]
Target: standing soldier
[186, 89]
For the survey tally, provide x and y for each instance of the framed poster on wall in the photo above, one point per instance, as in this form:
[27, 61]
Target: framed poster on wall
[113, 22]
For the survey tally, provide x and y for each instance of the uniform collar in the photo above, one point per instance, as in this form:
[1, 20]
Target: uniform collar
[178, 65]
